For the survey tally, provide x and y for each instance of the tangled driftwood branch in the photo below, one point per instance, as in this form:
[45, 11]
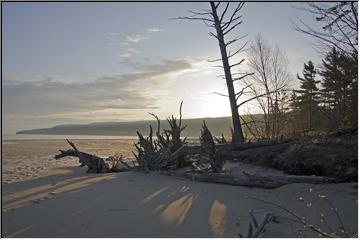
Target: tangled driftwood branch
[298, 219]
[256, 229]
[164, 152]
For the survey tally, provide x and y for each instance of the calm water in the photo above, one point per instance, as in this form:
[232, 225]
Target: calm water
[48, 136]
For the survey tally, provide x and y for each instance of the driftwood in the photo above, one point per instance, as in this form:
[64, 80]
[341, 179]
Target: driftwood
[208, 147]
[252, 149]
[250, 180]
[297, 219]
[94, 163]
[165, 151]
[256, 229]
[296, 157]
[245, 146]
[230, 150]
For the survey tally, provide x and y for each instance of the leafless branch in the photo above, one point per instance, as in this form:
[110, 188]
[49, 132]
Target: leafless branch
[193, 18]
[339, 24]
[238, 63]
[220, 94]
[257, 96]
[242, 77]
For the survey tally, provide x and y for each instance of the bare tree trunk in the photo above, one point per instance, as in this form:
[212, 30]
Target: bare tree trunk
[238, 135]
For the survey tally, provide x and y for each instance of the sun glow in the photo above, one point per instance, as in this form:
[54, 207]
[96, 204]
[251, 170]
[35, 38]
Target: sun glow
[212, 106]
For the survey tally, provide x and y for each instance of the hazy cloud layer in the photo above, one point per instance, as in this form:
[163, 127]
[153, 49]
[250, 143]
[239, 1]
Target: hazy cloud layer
[108, 95]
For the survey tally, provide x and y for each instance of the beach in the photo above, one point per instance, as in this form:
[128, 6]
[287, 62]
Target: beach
[26, 159]
[62, 200]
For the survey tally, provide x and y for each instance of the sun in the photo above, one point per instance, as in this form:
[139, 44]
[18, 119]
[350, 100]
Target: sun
[213, 106]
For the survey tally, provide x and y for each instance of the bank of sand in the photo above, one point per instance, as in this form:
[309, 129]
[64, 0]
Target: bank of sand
[67, 202]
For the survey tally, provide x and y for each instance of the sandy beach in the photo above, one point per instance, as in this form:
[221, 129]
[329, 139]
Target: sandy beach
[27, 159]
[43, 197]
[67, 202]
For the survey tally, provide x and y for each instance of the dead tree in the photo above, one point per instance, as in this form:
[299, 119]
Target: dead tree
[271, 78]
[224, 22]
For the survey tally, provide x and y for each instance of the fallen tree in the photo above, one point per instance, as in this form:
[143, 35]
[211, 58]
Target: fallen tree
[249, 180]
[94, 163]
[97, 164]
[304, 161]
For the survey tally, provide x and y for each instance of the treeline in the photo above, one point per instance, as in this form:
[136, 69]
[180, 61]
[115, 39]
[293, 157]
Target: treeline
[325, 101]
[327, 98]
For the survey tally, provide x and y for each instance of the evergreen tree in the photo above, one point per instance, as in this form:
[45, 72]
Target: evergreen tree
[340, 89]
[308, 95]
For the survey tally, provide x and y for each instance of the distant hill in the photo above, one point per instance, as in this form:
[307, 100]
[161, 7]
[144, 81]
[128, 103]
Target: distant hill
[216, 125]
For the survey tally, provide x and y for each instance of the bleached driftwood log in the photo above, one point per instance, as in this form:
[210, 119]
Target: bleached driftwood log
[94, 163]
[250, 180]
[231, 150]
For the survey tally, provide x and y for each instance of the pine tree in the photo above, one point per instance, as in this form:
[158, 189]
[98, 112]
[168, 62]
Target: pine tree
[308, 95]
[340, 88]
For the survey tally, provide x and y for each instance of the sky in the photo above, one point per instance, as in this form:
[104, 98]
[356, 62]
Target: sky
[108, 62]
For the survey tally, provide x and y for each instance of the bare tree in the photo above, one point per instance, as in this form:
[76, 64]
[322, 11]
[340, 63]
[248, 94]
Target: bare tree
[340, 25]
[268, 84]
[224, 21]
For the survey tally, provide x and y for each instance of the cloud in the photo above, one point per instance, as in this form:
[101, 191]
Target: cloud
[132, 50]
[113, 34]
[153, 30]
[135, 38]
[125, 58]
[125, 55]
[114, 95]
